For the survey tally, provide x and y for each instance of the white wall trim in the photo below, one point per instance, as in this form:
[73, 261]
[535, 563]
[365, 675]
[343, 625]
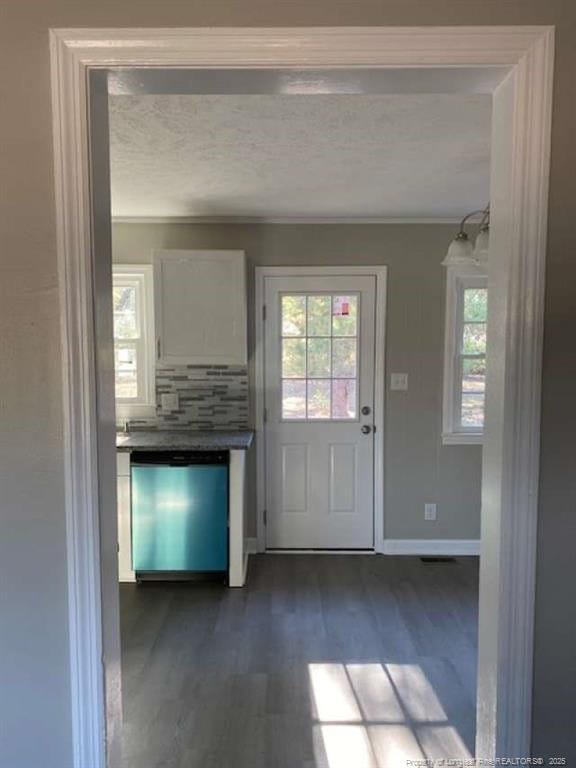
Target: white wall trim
[284, 220]
[380, 272]
[451, 547]
[462, 438]
[507, 592]
[251, 546]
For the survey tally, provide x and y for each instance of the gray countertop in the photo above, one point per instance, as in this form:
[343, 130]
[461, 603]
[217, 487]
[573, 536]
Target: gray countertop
[179, 440]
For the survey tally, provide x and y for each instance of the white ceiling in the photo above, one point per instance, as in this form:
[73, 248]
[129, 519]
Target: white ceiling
[423, 156]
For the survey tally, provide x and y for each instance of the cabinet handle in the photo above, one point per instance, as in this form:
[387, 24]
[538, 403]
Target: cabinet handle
[158, 348]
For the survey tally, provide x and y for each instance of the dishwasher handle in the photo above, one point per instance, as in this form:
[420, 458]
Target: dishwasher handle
[178, 458]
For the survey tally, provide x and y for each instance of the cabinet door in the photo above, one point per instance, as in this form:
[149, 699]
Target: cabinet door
[125, 572]
[200, 307]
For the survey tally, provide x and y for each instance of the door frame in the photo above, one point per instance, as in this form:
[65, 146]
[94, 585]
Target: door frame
[522, 121]
[380, 272]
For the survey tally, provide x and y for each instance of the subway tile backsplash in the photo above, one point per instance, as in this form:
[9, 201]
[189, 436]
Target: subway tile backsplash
[210, 397]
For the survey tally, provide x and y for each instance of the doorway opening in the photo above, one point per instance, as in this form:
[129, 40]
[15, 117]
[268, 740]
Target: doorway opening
[521, 136]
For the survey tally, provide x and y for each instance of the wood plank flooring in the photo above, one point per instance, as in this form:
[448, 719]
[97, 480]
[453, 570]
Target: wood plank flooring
[341, 661]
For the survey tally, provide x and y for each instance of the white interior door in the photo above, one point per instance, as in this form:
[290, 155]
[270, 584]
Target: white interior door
[319, 391]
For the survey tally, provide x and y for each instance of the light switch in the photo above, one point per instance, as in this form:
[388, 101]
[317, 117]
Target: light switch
[170, 401]
[399, 381]
[429, 511]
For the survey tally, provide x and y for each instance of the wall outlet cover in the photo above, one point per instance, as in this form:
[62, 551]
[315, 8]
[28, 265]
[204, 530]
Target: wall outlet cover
[429, 511]
[170, 401]
[399, 381]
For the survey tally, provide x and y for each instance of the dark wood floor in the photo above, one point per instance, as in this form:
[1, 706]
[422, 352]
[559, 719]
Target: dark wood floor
[344, 661]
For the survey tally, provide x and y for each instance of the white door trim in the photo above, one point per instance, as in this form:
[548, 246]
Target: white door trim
[380, 273]
[510, 482]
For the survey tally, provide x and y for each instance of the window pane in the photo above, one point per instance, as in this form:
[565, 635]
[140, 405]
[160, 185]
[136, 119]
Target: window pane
[474, 339]
[472, 410]
[125, 318]
[344, 358]
[344, 312]
[294, 399]
[475, 304]
[319, 358]
[318, 398]
[126, 366]
[293, 315]
[126, 386]
[294, 358]
[319, 315]
[344, 399]
[124, 298]
[474, 374]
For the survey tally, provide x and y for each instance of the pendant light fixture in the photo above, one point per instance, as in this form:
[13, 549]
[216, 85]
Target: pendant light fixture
[461, 250]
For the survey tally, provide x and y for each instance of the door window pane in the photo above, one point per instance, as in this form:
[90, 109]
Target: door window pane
[344, 399]
[293, 315]
[318, 398]
[319, 358]
[293, 399]
[319, 315]
[294, 358]
[344, 312]
[344, 358]
[319, 348]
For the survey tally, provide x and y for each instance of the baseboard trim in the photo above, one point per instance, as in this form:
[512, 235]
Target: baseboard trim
[431, 547]
[250, 546]
[127, 578]
[320, 552]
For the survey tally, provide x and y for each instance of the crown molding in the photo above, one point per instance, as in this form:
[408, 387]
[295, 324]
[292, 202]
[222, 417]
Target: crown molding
[281, 220]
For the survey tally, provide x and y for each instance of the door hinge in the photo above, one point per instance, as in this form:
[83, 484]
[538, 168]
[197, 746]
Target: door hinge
[265, 415]
[158, 349]
[264, 312]
[265, 517]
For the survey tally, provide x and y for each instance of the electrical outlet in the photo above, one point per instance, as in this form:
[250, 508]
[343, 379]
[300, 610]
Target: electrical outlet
[399, 381]
[429, 511]
[170, 401]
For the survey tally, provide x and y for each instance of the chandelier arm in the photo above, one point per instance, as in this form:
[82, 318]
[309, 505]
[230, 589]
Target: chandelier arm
[485, 212]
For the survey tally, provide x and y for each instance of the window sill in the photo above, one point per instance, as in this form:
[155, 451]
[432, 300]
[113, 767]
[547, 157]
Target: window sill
[134, 410]
[462, 438]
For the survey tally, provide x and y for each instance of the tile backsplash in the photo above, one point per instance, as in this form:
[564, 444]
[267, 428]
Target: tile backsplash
[210, 397]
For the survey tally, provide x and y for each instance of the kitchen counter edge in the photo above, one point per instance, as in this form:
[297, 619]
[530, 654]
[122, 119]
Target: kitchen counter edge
[165, 440]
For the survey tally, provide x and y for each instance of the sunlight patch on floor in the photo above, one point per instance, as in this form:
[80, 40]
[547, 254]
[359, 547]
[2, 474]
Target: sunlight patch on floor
[376, 715]
[346, 746]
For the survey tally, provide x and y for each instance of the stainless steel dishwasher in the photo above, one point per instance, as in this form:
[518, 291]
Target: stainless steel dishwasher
[179, 513]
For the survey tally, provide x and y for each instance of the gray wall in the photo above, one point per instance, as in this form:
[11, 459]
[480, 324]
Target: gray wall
[418, 468]
[34, 658]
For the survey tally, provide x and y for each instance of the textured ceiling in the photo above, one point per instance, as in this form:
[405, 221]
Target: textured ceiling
[270, 157]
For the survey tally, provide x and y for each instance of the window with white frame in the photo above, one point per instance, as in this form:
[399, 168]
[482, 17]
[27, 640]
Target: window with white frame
[134, 361]
[465, 355]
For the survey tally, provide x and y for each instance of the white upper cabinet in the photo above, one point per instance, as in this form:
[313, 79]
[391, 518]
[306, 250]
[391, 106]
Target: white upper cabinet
[200, 307]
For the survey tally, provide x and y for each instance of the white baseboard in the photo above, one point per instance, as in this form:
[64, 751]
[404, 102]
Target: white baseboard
[127, 578]
[251, 546]
[395, 547]
[327, 552]
[431, 547]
